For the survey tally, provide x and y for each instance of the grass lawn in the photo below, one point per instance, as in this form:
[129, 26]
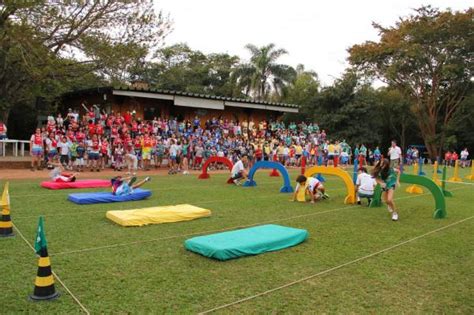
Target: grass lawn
[112, 269]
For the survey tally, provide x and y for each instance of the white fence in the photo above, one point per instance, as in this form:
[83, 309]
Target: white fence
[18, 147]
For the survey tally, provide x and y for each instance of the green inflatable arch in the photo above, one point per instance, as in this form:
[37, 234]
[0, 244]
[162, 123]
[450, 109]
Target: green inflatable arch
[440, 203]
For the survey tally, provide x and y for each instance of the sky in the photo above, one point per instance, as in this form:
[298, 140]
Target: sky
[315, 33]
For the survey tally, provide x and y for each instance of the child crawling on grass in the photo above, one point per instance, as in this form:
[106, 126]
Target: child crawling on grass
[122, 186]
[312, 186]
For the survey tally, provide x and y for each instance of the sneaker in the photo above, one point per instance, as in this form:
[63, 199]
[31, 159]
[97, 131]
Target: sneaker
[359, 203]
[390, 210]
[237, 182]
[394, 216]
[147, 179]
[325, 196]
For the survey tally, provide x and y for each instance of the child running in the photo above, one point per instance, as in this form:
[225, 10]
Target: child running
[312, 186]
[388, 178]
[125, 186]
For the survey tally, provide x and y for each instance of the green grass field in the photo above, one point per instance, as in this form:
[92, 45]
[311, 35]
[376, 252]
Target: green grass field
[112, 269]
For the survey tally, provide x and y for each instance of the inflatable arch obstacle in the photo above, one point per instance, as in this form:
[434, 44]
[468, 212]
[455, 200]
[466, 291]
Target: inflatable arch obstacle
[214, 159]
[414, 189]
[287, 188]
[443, 185]
[350, 198]
[440, 203]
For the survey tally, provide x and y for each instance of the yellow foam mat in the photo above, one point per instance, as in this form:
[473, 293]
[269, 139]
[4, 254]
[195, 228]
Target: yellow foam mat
[301, 196]
[157, 215]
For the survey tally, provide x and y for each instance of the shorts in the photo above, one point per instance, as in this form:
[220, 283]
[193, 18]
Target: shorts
[363, 195]
[37, 151]
[94, 156]
[198, 160]
[52, 153]
[331, 157]
[178, 159]
[389, 187]
[64, 159]
[123, 190]
[65, 179]
[146, 154]
[394, 163]
[239, 175]
[3, 137]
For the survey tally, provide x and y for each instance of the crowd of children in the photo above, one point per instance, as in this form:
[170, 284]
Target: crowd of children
[98, 140]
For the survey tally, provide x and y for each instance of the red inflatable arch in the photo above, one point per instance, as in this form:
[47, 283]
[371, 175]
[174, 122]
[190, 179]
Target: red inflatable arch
[214, 159]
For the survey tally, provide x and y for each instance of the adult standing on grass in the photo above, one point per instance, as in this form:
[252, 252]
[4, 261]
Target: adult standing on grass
[388, 178]
[36, 149]
[395, 154]
[464, 155]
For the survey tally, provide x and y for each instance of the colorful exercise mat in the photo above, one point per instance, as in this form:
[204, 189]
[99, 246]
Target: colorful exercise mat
[106, 197]
[157, 215]
[86, 183]
[244, 242]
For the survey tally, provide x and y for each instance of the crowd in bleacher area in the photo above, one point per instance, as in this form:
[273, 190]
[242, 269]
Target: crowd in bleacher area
[99, 140]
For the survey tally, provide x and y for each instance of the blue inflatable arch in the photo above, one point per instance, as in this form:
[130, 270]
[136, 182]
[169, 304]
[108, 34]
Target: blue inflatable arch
[270, 165]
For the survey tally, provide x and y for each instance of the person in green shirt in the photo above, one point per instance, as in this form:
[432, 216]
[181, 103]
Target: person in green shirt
[389, 179]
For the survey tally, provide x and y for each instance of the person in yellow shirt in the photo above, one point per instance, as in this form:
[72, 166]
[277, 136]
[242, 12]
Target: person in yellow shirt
[298, 154]
[331, 153]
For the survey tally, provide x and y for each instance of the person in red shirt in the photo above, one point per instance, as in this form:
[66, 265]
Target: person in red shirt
[454, 158]
[94, 153]
[36, 149]
[99, 129]
[447, 158]
[80, 135]
[104, 152]
[91, 128]
[127, 117]
[3, 131]
[137, 146]
[134, 129]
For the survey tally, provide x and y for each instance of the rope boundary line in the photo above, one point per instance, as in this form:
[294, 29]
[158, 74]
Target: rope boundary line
[333, 268]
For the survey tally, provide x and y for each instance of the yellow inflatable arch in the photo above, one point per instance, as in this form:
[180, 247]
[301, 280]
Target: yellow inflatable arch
[350, 198]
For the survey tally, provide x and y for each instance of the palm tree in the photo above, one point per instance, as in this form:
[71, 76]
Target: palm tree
[262, 75]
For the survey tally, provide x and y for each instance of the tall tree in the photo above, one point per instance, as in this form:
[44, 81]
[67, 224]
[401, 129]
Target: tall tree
[263, 75]
[429, 57]
[44, 43]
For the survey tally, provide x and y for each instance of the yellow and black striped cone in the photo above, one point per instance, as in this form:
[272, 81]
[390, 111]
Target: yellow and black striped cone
[44, 283]
[6, 225]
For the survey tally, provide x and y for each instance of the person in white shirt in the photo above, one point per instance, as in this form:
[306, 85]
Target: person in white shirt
[63, 147]
[239, 172]
[365, 186]
[464, 155]
[395, 155]
[312, 186]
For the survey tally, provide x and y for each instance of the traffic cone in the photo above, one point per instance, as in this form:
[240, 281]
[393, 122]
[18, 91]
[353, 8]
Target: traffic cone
[6, 225]
[44, 283]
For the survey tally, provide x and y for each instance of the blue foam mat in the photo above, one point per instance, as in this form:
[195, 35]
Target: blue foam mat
[106, 197]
